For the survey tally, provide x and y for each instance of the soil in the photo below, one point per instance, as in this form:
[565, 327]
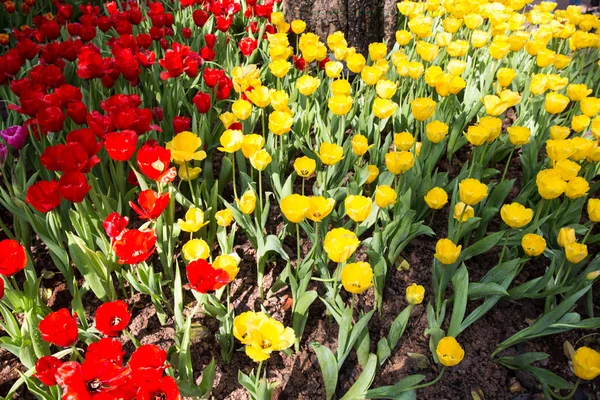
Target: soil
[299, 375]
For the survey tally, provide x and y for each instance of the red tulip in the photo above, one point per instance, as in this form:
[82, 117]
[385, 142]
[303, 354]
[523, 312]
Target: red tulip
[13, 258]
[200, 17]
[211, 76]
[73, 186]
[59, 328]
[89, 63]
[151, 204]
[202, 102]
[210, 39]
[45, 369]
[164, 388]
[223, 23]
[106, 349]
[51, 119]
[181, 124]
[186, 32]
[120, 146]
[153, 160]
[247, 46]
[43, 196]
[147, 363]
[77, 111]
[93, 380]
[114, 224]
[204, 278]
[112, 318]
[134, 246]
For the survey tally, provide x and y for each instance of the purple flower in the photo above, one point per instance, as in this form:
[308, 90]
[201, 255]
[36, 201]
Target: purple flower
[3, 154]
[14, 136]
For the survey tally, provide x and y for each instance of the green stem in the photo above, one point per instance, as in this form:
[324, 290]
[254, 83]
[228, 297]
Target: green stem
[559, 397]
[424, 385]
[233, 172]
[299, 254]
[588, 233]
[507, 164]
[504, 247]
[538, 212]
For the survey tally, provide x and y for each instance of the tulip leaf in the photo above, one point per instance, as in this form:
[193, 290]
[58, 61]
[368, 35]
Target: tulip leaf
[460, 282]
[398, 327]
[403, 386]
[483, 290]
[91, 267]
[481, 246]
[360, 387]
[329, 368]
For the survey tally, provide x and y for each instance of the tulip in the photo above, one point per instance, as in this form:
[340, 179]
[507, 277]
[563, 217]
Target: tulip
[357, 277]
[242, 109]
[516, 215]
[555, 103]
[262, 335]
[566, 235]
[403, 37]
[576, 252]
[436, 131]
[373, 173]
[204, 278]
[386, 88]
[279, 68]
[550, 184]
[259, 96]
[251, 144]
[446, 251]
[195, 249]
[477, 135]
[224, 217]
[370, 75]
[14, 257]
[340, 244]
[399, 162]
[422, 108]
[340, 104]
[593, 209]
[577, 187]
[377, 51]
[307, 84]
[260, 159]
[586, 363]
[385, 196]
[582, 148]
[360, 145]
[334, 69]
[59, 328]
[194, 220]
[151, 204]
[305, 166]
[518, 135]
[415, 294]
[295, 207]
[436, 198]
[356, 62]
[358, 208]
[505, 76]
[578, 92]
[340, 87]
[330, 153]
[404, 141]
[462, 212]
[231, 141]
[383, 108]
[320, 207]
[558, 132]
[247, 202]
[113, 317]
[472, 191]
[533, 244]
[449, 352]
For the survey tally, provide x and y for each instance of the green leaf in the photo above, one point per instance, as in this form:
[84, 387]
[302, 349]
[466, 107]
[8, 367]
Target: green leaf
[329, 368]
[484, 290]
[481, 246]
[91, 267]
[460, 282]
[362, 384]
[392, 392]
[398, 327]
[549, 378]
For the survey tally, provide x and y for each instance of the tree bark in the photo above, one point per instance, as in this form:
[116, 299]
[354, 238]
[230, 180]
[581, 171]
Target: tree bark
[362, 21]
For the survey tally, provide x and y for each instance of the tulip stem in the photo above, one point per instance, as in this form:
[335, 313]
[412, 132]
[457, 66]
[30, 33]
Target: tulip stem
[299, 260]
[302, 186]
[507, 164]
[588, 233]
[260, 192]
[424, 385]
[556, 396]
[187, 172]
[538, 212]
[233, 172]
[504, 247]
[432, 215]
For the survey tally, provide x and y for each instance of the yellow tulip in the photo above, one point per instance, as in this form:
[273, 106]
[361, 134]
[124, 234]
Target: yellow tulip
[340, 104]
[227, 263]
[357, 277]
[577, 187]
[187, 172]
[516, 215]
[446, 251]
[579, 123]
[251, 144]
[586, 363]
[576, 252]
[260, 159]
[320, 208]
[373, 173]
[494, 106]
[305, 166]
[184, 147]
[224, 217]
[280, 68]
[436, 131]
[259, 96]
[518, 135]
[330, 153]
[422, 108]
[477, 134]
[578, 92]
[377, 51]
[195, 249]
[415, 294]
[385, 196]
[194, 220]
[247, 203]
[404, 141]
[462, 212]
[242, 109]
[472, 191]
[449, 352]
[565, 236]
[549, 183]
[356, 62]
[533, 245]
[295, 207]
[340, 87]
[427, 51]
[436, 198]
[231, 141]
[567, 169]
[340, 244]
[358, 208]
[403, 37]
[399, 162]
[280, 122]
[307, 84]
[384, 108]
[298, 26]
[386, 88]
[593, 209]
[334, 69]
[555, 103]
[360, 145]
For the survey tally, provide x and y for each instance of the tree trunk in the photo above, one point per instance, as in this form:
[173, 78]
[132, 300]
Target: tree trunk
[362, 21]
